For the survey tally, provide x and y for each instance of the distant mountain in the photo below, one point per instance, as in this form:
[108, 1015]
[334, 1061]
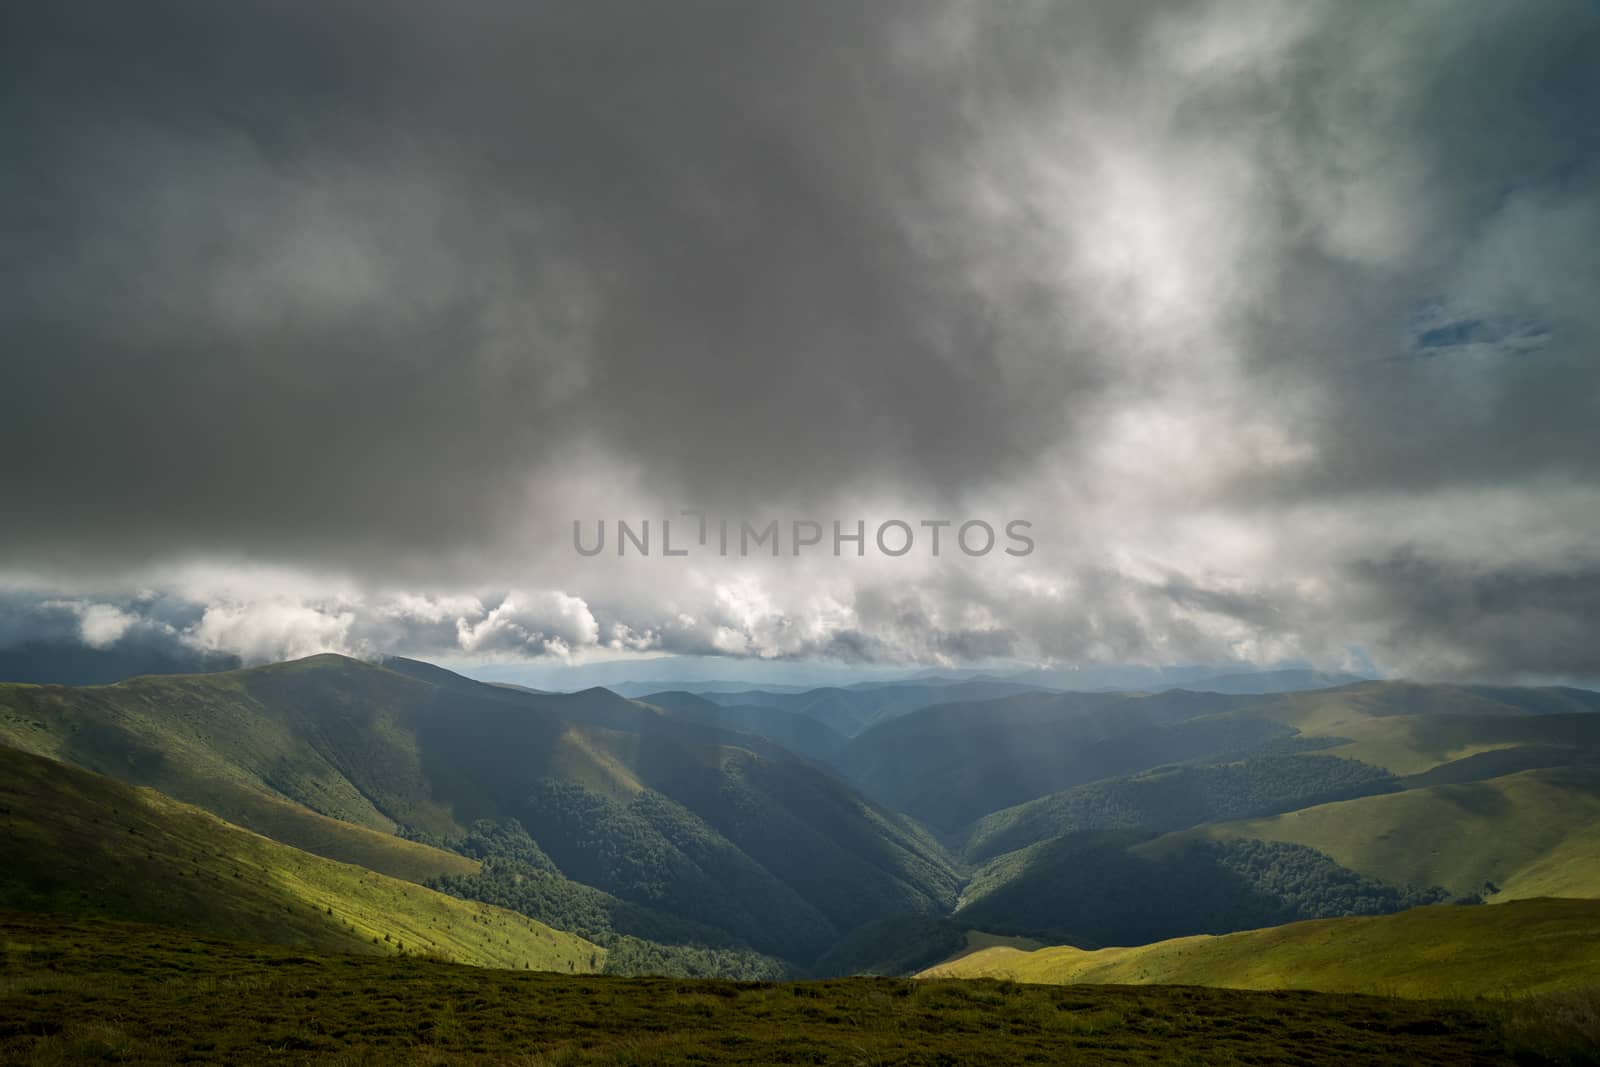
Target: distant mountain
[78, 664]
[717, 828]
[949, 764]
[85, 844]
[1411, 729]
[1289, 681]
[1178, 797]
[850, 711]
[796, 732]
[742, 834]
[1116, 678]
[692, 674]
[634, 690]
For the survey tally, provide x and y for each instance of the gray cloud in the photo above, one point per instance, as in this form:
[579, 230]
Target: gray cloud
[1498, 622]
[1231, 299]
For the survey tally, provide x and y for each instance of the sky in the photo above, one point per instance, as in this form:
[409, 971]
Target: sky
[324, 323]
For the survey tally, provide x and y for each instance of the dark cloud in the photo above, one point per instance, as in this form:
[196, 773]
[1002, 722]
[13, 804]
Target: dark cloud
[339, 283]
[90, 642]
[1492, 622]
[1231, 299]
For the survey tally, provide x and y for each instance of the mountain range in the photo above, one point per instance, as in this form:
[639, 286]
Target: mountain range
[328, 801]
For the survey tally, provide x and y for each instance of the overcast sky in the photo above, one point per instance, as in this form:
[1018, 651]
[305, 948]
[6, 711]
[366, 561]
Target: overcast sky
[322, 322]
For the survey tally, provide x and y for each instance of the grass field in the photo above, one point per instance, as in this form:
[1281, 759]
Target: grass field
[76, 991]
[81, 843]
[1529, 946]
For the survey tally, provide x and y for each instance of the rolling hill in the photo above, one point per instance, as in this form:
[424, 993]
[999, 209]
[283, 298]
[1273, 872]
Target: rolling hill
[1106, 888]
[1530, 834]
[849, 711]
[792, 730]
[1170, 798]
[721, 829]
[685, 834]
[1292, 680]
[1411, 729]
[952, 763]
[80, 843]
[1092, 865]
[1523, 947]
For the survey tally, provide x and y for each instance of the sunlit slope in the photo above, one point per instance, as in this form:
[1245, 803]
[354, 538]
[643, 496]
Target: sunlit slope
[82, 843]
[1410, 729]
[1442, 951]
[1536, 833]
[343, 738]
[677, 816]
[953, 763]
[1176, 797]
[208, 741]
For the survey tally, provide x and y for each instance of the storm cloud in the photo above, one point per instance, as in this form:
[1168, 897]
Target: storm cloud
[326, 321]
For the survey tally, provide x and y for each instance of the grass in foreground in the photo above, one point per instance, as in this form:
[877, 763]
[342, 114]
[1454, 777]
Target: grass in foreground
[80, 990]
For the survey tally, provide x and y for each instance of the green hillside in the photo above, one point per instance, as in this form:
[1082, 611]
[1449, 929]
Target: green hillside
[849, 711]
[1456, 825]
[676, 816]
[1171, 798]
[79, 843]
[686, 846]
[795, 731]
[1110, 888]
[953, 763]
[81, 990]
[1445, 951]
[972, 768]
[1410, 729]
[1535, 833]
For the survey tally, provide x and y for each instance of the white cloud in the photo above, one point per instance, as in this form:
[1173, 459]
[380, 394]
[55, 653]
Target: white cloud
[274, 629]
[103, 625]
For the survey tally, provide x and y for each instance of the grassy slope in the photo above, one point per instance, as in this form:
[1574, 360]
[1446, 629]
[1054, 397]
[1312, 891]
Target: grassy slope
[953, 764]
[1446, 950]
[1409, 729]
[207, 740]
[1174, 798]
[798, 733]
[82, 843]
[341, 737]
[1531, 833]
[93, 990]
[1536, 833]
[950, 764]
[432, 751]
